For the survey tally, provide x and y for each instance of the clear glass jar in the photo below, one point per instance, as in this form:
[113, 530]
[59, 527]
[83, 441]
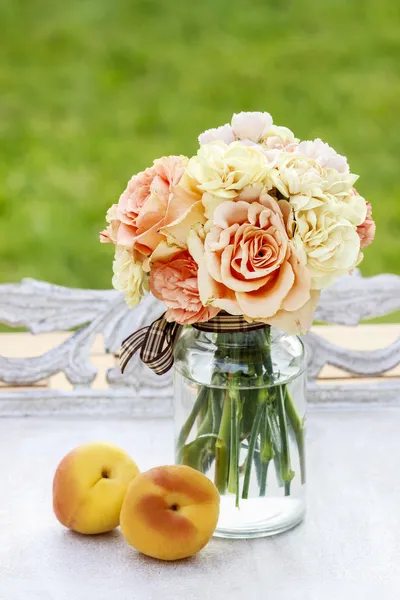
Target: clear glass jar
[239, 416]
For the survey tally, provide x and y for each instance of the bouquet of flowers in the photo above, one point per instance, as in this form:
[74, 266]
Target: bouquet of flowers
[254, 225]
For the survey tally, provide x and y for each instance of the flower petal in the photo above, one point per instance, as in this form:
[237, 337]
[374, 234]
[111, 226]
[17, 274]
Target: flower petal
[299, 321]
[299, 293]
[234, 283]
[177, 231]
[164, 252]
[267, 300]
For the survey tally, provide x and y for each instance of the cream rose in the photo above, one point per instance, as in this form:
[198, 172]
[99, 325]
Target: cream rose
[280, 138]
[249, 265]
[327, 242]
[129, 277]
[224, 170]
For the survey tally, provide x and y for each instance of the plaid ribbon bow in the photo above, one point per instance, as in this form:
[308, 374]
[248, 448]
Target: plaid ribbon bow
[156, 345]
[156, 341]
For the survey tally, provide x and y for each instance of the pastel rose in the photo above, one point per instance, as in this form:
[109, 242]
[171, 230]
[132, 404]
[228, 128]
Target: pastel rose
[223, 171]
[192, 217]
[251, 125]
[366, 231]
[299, 321]
[250, 261]
[222, 134]
[129, 276]
[280, 138]
[162, 253]
[248, 193]
[152, 200]
[175, 283]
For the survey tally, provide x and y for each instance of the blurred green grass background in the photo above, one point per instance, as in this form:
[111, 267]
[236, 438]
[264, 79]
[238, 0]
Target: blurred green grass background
[94, 90]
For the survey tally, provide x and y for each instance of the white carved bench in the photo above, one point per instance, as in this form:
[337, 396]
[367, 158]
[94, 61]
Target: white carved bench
[69, 364]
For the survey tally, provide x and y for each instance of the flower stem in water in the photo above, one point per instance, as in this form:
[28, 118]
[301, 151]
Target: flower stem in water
[286, 471]
[266, 451]
[222, 446]
[250, 452]
[298, 428]
[187, 426]
[233, 479]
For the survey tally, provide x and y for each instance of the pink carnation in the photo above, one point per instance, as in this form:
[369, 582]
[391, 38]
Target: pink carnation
[366, 230]
[175, 283]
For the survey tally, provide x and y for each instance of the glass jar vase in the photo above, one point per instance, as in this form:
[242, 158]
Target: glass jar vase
[239, 416]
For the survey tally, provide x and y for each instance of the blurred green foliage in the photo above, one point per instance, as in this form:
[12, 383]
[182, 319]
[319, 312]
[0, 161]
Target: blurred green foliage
[94, 90]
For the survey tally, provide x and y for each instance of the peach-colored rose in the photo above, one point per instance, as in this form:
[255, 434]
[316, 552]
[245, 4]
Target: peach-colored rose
[366, 230]
[175, 283]
[251, 264]
[152, 200]
[297, 321]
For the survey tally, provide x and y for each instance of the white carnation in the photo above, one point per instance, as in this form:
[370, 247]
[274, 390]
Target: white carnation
[251, 126]
[308, 185]
[324, 155]
[221, 134]
[299, 179]
[129, 277]
[327, 242]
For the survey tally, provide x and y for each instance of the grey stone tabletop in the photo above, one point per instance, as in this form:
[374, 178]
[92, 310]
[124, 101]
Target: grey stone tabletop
[348, 546]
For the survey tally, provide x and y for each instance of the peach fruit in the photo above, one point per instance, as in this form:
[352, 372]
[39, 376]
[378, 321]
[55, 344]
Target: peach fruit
[90, 485]
[170, 512]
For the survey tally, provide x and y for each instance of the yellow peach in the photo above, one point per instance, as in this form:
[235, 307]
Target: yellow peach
[90, 485]
[170, 512]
